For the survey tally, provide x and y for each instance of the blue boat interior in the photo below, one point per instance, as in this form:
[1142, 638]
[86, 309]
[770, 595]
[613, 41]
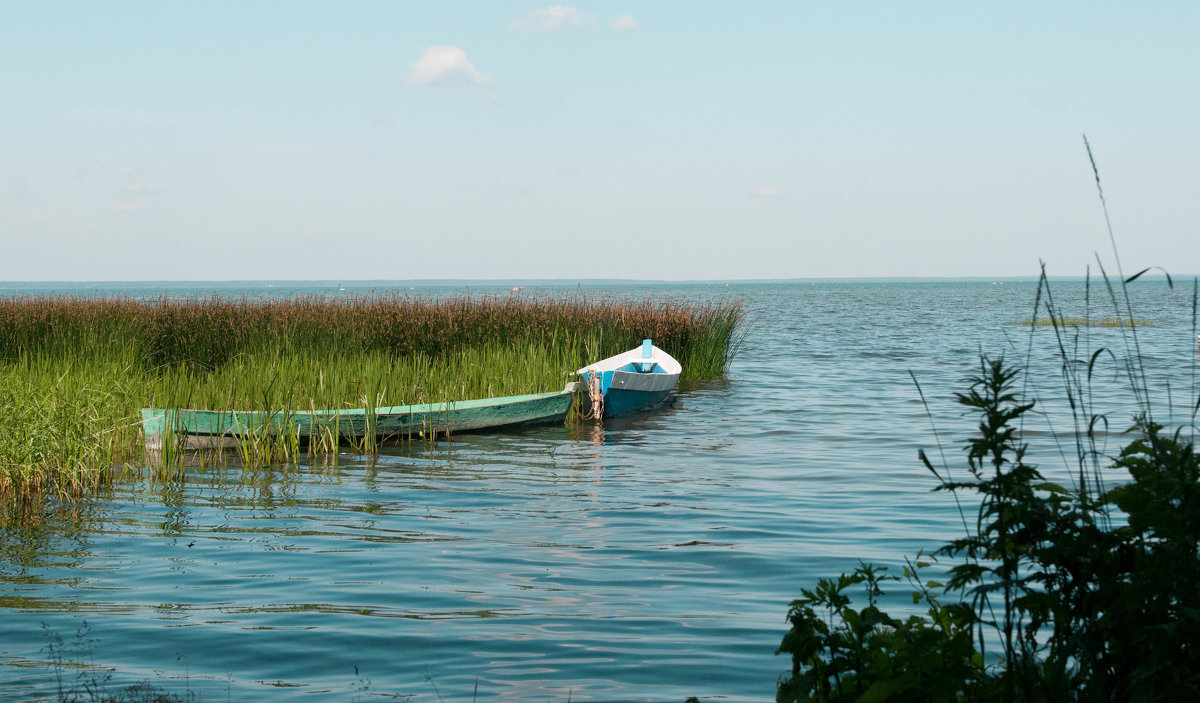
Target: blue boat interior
[646, 364]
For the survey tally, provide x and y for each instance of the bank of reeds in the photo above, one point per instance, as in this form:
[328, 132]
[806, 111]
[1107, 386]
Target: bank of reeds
[75, 371]
[1070, 321]
[209, 332]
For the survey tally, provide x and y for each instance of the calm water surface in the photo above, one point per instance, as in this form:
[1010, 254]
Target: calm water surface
[648, 560]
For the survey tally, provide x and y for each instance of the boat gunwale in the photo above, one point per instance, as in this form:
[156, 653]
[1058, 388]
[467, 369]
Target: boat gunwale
[440, 406]
[664, 362]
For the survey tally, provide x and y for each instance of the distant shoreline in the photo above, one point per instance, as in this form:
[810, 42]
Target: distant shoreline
[442, 282]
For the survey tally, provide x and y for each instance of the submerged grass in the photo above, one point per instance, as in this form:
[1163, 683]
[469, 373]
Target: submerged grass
[1069, 321]
[75, 371]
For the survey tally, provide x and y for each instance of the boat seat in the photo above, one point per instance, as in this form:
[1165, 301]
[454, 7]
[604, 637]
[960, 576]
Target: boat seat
[646, 361]
[644, 364]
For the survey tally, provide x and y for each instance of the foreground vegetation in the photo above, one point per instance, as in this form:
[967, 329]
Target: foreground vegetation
[1081, 592]
[75, 372]
[1084, 592]
[1058, 598]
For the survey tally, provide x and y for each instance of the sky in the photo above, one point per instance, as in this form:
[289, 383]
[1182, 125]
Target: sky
[646, 140]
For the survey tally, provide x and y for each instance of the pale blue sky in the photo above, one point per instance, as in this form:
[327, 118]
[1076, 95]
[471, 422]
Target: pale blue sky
[668, 140]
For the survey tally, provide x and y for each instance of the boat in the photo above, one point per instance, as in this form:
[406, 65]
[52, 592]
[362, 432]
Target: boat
[638, 379]
[216, 429]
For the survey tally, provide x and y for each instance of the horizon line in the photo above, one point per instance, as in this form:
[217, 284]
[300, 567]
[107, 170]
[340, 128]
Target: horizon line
[556, 281]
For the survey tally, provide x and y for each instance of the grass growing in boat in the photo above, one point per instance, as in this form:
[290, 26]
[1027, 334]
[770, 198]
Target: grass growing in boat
[75, 371]
[361, 379]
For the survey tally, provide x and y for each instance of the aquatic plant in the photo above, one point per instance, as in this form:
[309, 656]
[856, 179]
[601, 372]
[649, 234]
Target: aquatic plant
[63, 424]
[75, 371]
[208, 333]
[77, 681]
[77, 678]
[1070, 321]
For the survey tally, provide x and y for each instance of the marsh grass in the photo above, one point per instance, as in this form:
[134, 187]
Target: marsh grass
[62, 420]
[208, 333]
[75, 371]
[1069, 321]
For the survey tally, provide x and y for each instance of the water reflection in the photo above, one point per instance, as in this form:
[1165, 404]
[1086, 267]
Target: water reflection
[42, 546]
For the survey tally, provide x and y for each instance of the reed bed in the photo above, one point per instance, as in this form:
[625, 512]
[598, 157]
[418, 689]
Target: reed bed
[210, 332]
[75, 371]
[1069, 321]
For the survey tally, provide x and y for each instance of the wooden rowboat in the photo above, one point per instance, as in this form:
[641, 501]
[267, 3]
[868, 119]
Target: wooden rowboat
[639, 379]
[215, 429]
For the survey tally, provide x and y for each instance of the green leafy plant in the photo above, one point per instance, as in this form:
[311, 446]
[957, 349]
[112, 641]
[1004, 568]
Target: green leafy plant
[1075, 592]
[1064, 592]
[843, 654]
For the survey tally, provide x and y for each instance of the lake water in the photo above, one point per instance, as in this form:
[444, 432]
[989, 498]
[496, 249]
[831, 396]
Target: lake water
[650, 559]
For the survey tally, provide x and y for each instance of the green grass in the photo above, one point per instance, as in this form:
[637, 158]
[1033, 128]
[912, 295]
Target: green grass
[362, 379]
[62, 420]
[75, 372]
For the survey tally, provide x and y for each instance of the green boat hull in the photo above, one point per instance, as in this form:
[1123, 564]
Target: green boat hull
[222, 428]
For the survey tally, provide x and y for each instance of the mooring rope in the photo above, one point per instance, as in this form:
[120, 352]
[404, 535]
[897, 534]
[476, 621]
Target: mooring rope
[596, 396]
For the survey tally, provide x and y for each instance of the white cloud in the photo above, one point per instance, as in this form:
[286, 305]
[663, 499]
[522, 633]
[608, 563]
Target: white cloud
[140, 187]
[131, 207]
[766, 191]
[624, 23]
[441, 64]
[139, 192]
[549, 19]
